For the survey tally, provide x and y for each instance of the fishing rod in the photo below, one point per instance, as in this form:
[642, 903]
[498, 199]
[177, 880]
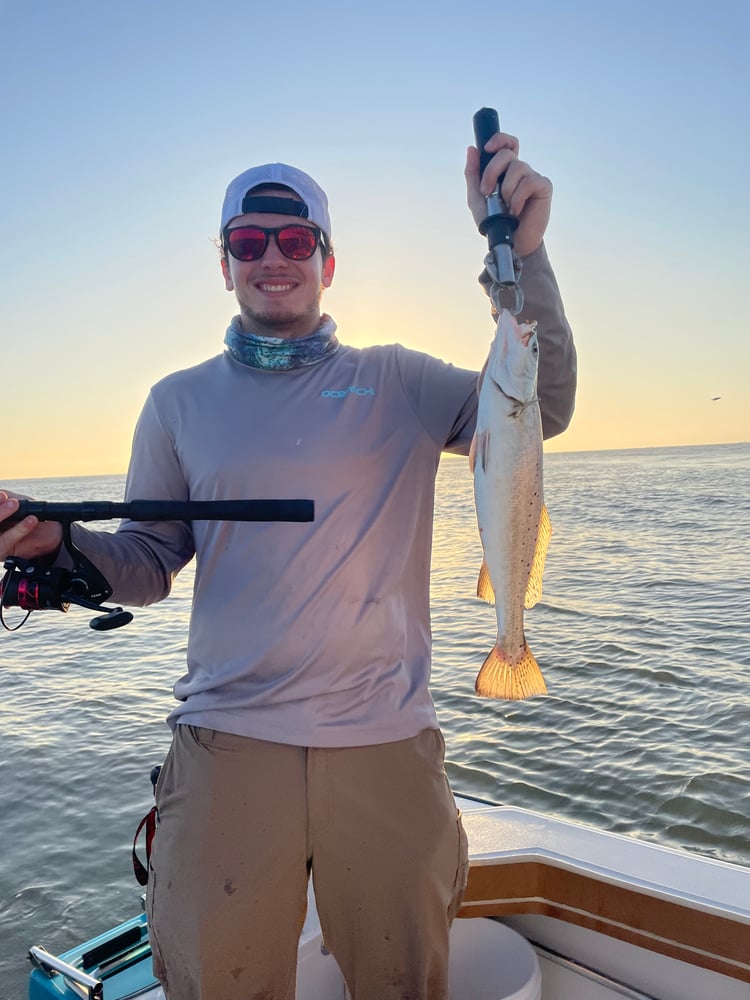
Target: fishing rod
[499, 226]
[36, 586]
[167, 510]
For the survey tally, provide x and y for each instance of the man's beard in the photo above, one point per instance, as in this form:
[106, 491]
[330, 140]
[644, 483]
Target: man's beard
[275, 323]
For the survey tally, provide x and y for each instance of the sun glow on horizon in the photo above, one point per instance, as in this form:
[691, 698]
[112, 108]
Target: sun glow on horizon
[113, 282]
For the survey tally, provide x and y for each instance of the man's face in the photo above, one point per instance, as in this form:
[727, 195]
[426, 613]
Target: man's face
[278, 297]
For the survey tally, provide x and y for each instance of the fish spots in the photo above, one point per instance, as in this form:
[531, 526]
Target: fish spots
[229, 889]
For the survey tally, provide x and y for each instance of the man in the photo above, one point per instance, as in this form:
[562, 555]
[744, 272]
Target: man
[305, 740]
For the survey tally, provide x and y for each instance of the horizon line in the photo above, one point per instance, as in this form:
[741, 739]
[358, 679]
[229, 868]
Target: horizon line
[448, 455]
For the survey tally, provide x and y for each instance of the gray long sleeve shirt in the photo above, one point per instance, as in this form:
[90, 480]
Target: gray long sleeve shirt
[314, 634]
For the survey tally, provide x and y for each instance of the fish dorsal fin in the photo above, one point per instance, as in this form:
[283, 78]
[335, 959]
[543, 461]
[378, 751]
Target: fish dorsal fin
[534, 586]
[485, 590]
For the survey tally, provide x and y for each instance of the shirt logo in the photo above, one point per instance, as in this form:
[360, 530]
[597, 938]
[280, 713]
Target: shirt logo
[354, 390]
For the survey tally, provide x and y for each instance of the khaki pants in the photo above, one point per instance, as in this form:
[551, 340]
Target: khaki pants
[242, 823]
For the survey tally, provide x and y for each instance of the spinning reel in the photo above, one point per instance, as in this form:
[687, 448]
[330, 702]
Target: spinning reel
[38, 586]
[34, 587]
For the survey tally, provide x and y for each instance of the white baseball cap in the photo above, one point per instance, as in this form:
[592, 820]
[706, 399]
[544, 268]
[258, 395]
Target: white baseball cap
[239, 198]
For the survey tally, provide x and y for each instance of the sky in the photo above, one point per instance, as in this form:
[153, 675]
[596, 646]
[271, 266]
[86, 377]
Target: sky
[122, 124]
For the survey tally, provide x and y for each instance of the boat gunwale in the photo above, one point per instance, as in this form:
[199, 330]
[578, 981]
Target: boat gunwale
[540, 831]
[614, 900]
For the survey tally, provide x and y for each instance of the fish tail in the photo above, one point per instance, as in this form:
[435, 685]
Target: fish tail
[499, 678]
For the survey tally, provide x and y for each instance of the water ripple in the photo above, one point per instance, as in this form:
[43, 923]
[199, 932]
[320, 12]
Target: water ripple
[642, 635]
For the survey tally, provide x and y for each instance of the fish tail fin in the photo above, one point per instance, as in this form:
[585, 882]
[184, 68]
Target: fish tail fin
[499, 678]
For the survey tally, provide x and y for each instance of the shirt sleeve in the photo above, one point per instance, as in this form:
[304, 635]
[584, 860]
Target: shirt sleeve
[557, 355]
[141, 559]
[443, 397]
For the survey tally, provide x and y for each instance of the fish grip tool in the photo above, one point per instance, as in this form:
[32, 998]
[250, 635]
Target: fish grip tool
[499, 226]
[35, 585]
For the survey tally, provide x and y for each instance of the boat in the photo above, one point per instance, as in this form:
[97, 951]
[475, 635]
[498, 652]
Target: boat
[554, 910]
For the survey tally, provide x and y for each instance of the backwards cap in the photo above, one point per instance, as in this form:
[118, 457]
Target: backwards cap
[239, 200]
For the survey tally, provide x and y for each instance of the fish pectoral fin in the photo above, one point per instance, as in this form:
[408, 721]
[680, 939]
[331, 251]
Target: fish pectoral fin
[485, 590]
[479, 451]
[499, 678]
[534, 586]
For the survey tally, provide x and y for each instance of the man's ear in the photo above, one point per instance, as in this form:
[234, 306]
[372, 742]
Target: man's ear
[228, 283]
[329, 266]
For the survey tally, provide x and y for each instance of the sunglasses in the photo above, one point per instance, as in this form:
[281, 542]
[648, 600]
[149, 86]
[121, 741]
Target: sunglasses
[295, 242]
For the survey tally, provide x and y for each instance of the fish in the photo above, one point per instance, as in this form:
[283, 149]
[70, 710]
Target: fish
[506, 461]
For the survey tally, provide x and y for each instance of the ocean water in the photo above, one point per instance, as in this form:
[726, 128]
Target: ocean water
[643, 635]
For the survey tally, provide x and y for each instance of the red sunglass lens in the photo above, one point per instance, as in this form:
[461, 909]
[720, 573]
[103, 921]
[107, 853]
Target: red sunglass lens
[297, 242]
[247, 243]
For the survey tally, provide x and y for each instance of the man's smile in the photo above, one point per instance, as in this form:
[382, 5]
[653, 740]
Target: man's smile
[275, 287]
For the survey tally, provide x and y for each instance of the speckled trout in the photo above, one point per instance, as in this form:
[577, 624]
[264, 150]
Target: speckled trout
[506, 459]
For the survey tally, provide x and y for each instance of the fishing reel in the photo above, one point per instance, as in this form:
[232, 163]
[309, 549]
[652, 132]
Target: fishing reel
[37, 586]
[33, 586]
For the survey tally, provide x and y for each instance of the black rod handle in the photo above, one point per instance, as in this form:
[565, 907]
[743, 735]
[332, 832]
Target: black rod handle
[486, 123]
[167, 510]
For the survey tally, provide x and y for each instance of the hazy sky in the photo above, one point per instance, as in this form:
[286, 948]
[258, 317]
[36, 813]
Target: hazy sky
[123, 122]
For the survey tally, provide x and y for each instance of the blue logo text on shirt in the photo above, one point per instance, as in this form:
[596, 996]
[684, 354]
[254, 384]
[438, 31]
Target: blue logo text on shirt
[354, 390]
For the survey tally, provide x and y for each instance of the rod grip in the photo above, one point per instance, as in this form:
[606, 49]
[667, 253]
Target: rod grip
[486, 124]
[167, 510]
